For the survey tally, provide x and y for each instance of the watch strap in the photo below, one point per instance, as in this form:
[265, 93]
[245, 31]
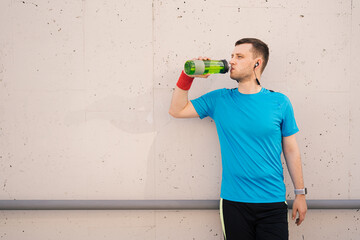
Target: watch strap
[300, 191]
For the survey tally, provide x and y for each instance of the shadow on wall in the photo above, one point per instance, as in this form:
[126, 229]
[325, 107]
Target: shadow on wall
[132, 117]
[175, 167]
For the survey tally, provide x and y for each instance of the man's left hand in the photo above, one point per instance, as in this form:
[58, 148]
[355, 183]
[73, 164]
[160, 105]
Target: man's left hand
[299, 206]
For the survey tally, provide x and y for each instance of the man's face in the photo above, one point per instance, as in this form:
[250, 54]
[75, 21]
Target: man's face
[242, 62]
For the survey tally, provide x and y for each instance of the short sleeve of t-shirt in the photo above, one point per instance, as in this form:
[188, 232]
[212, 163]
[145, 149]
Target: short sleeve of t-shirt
[288, 125]
[206, 104]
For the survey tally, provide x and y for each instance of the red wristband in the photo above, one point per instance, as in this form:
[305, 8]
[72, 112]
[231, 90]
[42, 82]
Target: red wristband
[184, 81]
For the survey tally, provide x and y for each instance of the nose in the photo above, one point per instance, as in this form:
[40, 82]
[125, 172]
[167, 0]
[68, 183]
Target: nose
[232, 62]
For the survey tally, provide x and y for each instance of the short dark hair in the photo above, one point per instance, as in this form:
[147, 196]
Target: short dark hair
[259, 48]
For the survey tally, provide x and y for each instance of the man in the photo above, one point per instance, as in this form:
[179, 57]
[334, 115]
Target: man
[254, 126]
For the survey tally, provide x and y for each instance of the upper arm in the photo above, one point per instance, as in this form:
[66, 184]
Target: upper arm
[188, 112]
[200, 107]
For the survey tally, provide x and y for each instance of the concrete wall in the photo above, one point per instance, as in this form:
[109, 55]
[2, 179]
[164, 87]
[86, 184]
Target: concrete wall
[85, 87]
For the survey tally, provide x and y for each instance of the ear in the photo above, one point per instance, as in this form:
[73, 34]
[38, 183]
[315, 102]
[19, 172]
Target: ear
[258, 62]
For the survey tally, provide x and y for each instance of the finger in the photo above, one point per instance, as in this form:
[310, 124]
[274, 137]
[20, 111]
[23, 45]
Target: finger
[301, 217]
[202, 76]
[204, 58]
[207, 75]
[294, 213]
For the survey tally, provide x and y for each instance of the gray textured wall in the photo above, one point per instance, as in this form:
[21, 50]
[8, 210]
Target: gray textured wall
[85, 87]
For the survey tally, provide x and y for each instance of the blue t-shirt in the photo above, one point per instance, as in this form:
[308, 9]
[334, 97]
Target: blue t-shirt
[250, 129]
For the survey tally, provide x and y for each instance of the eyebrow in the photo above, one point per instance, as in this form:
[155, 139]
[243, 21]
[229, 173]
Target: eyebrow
[237, 54]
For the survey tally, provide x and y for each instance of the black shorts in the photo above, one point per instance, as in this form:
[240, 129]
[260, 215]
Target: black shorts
[254, 221]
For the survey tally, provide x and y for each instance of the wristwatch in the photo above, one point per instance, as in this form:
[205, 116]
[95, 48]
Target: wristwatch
[300, 191]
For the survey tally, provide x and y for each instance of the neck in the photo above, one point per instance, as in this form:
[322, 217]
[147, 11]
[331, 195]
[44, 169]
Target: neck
[249, 87]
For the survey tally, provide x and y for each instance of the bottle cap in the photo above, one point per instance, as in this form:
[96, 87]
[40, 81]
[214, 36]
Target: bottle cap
[226, 66]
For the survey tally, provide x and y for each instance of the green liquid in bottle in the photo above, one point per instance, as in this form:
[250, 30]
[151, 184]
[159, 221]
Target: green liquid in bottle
[202, 67]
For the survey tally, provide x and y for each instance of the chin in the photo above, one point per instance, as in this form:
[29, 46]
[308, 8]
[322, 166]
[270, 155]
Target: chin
[234, 78]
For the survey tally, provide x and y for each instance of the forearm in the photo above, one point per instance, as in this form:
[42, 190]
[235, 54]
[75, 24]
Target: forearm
[293, 161]
[180, 106]
[294, 165]
[179, 101]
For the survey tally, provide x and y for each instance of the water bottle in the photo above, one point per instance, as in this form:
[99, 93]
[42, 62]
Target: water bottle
[202, 67]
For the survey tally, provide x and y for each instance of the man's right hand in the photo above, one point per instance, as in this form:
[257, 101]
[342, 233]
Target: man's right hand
[200, 76]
